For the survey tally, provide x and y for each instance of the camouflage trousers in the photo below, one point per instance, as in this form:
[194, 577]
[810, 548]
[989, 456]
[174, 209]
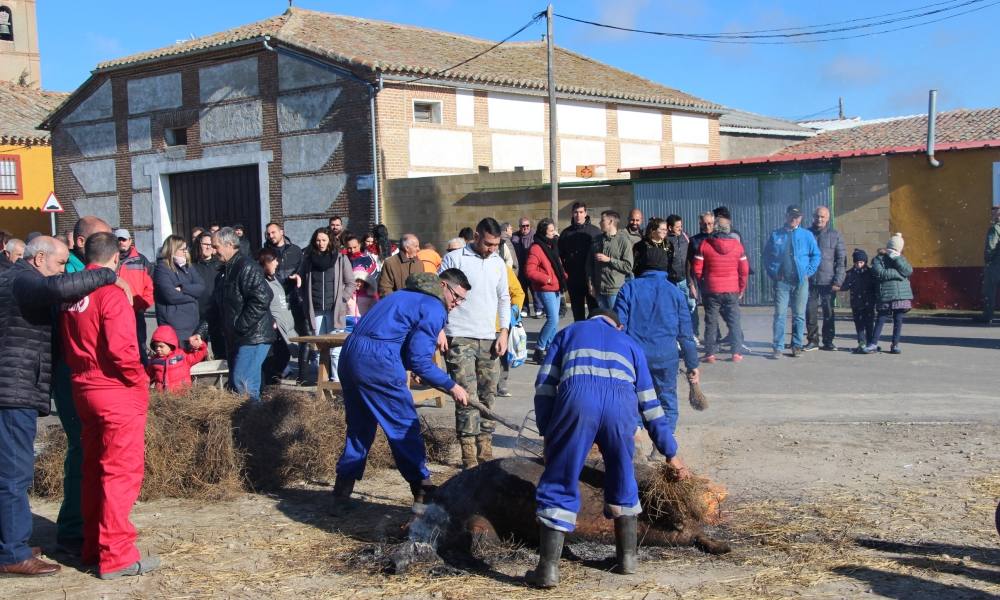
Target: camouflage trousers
[472, 366]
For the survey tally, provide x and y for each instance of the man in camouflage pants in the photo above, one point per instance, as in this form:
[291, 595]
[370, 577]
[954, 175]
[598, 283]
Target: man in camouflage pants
[470, 341]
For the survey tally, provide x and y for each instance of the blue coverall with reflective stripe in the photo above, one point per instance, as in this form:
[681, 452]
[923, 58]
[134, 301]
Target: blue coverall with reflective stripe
[654, 313]
[592, 387]
[396, 335]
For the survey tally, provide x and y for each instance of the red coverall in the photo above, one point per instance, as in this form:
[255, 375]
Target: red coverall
[111, 394]
[173, 373]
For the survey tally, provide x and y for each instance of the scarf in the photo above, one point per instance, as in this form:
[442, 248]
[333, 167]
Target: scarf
[552, 253]
[180, 261]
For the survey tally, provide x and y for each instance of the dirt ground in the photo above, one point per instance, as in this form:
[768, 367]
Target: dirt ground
[848, 476]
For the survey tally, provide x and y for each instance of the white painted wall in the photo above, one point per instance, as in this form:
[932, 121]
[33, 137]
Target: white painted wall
[684, 155]
[518, 113]
[640, 124]
[582, 118]
[413, 174]
[689, 129]
[640, 155]
[580, 152]
[437, 148]
[465, 107]
[511, 151]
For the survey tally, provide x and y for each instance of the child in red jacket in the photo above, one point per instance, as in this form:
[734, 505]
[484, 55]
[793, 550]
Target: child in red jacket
[169, 366]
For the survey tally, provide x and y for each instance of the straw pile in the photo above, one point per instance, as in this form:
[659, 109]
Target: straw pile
[668, 499]
[292, 437]
[207, 444]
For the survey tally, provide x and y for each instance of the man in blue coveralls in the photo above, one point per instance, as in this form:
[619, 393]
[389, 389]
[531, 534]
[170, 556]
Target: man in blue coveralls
[593, 387]
[398, 334]
[654, 313]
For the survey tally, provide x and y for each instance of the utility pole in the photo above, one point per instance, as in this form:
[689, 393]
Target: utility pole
[553, 125]
[840, 106]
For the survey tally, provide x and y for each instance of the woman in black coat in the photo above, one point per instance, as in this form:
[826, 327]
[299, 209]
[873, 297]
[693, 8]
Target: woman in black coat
[207, 264]
[177, 286]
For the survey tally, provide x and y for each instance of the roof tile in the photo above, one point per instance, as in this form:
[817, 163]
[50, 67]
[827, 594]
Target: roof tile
[404, 50]
[951, 127]
[21, 110]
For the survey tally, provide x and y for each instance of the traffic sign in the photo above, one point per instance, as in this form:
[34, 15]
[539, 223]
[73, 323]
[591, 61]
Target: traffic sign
[52, 204]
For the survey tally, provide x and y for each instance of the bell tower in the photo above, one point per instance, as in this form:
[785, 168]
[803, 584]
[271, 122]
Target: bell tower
[20, 61]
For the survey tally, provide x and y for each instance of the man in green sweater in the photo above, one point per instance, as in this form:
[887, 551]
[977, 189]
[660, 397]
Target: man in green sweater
[610, 261]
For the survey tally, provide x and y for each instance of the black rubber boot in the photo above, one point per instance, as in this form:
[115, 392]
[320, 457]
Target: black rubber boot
[342, 490]
[423, 492]
[546, 574]
[626, 551]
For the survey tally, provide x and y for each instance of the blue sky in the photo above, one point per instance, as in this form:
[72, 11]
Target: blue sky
[877, 76]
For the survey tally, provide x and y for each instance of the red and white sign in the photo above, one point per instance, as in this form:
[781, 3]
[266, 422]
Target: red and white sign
[52, 204]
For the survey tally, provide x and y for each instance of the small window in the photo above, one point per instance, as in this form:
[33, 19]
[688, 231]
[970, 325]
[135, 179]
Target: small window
[426, 112]
[175, 136]
[6, 24]
[10, 176]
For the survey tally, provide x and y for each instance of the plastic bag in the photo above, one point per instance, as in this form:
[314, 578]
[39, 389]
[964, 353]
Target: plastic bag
[517, 346]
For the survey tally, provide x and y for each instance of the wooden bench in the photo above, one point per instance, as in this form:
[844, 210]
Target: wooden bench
[325, 343]
[210, 368]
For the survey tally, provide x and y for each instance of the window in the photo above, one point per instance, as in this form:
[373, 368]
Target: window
[425, 111]
[6, 24]
[175, 136]
[10, 176]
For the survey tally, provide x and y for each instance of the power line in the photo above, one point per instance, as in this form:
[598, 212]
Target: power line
[815, 114]
[723, 38]
[533, 20]
[857, 20]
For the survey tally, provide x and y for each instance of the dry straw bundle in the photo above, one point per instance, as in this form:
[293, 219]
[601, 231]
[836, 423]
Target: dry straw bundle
[671, 500]
[208, 444]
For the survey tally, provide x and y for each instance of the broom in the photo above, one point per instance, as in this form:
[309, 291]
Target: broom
[696, 397]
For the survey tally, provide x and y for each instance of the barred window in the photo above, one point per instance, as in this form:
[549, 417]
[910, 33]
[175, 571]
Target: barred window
[8, 175]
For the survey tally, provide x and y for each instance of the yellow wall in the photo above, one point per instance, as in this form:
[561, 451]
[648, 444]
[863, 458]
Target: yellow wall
[36, 179]
[943, 213]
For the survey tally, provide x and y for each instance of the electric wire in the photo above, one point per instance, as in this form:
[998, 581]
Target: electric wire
[722, 38]
[533, 20]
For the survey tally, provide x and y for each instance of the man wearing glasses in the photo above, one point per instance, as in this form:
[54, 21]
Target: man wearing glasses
[471, 343]
[396, 335]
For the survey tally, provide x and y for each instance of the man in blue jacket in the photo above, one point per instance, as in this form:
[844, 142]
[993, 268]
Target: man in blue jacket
[654, 313]
[791, 257]
[592, 387]
[397, 335]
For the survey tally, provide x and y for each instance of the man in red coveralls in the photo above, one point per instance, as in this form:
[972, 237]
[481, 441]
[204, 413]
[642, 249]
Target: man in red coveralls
[111, 394]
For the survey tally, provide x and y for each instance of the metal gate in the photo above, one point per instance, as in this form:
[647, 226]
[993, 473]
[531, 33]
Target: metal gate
[224, 196]
[757, 203]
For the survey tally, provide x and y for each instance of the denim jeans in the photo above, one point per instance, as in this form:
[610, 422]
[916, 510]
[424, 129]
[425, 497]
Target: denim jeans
[606, 301]
[729, 305]
[17, 462]
[245, 369]
[894, 315]
[550, 300]
[798, 296]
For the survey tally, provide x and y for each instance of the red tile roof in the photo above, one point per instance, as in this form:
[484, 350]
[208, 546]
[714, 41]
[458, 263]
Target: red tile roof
[956, 126]
[396, 49]
[21, 110]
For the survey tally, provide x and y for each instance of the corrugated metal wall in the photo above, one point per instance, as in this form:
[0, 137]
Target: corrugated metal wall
[757, 203]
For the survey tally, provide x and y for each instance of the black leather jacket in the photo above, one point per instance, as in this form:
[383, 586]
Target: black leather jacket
[29, 310]
[244, 300]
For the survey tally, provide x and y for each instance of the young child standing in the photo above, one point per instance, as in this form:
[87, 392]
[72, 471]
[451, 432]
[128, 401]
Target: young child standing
[169, 367]
[892, 272]
[860, 281]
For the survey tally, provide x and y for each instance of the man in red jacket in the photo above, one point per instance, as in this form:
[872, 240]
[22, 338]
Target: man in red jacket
[111, 394]
[722, 269]
[135, 269]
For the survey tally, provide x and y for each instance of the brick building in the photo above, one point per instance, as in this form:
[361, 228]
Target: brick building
[274, 121]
